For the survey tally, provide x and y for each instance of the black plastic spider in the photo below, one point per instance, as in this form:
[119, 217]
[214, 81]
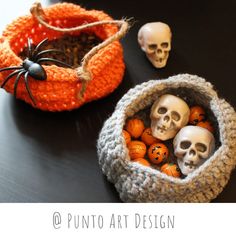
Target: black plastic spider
[31, 67]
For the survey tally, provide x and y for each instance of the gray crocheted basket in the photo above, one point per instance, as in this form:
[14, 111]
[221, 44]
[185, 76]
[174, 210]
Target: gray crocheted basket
[137, 183]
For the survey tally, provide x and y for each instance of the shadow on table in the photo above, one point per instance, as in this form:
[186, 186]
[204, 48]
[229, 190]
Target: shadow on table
[75, 130]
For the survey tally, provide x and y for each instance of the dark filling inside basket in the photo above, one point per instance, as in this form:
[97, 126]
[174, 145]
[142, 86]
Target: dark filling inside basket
[192, 97]
[74, 47]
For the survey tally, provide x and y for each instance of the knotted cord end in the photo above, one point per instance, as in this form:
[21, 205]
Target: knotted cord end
[37, 11]
[85, 77]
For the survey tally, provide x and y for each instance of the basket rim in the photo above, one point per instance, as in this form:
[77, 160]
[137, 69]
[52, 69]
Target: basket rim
[76, 11]
[141, 91]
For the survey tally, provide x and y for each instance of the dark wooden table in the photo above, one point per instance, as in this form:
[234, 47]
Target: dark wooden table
[51, 157]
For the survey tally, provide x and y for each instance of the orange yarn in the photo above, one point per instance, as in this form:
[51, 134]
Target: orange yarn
[61, 89]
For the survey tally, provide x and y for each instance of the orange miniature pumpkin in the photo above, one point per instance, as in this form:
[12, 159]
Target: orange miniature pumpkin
[135, 127]
[126, 136]
[147, 137]
[207, 125]
[142, 161]
[197, 114]
[158, 152]
[137, 149]
[171, 169]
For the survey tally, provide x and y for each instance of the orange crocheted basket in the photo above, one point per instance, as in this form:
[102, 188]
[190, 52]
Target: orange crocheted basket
[62, 88]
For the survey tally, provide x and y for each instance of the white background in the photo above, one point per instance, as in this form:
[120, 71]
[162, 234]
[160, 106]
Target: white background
[16, 8]
[190, 219]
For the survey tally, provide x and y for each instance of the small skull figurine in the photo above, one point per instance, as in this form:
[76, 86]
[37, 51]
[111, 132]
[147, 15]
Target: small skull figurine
[168, 115]
[155, 40]
[192, 146]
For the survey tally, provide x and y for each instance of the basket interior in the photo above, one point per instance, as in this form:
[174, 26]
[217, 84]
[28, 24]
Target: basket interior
[74, 47]
[192, 98]
[37, 32]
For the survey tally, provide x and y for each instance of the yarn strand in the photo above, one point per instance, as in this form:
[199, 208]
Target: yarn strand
[82, 71]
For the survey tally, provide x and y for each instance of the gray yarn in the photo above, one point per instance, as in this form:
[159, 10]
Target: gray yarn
[137, 183]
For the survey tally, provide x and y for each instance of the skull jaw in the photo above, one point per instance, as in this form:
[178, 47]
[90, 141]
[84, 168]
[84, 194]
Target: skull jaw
[185, 166]
[185, 169]
[158, 62]
[162, 134]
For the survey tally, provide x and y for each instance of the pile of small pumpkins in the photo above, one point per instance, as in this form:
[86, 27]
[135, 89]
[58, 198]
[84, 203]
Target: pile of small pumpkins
[147, 150]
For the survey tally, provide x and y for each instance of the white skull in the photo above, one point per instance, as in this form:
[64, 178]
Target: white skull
[168, 115]
[155, 40]
[193, 145]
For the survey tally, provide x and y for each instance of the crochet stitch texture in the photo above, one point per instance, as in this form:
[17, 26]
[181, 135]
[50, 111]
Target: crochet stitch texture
[60, 91]
[137, 183]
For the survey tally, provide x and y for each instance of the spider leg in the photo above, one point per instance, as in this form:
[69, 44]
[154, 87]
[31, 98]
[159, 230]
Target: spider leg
[17, 80]
[11, 68]
[47, 51]
[53, 60]
[29, 48]
[39, 46]
[9, 77]
[28, 88]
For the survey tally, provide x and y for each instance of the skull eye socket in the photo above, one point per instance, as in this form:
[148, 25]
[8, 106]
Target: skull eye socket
[201, 147]
[165, 45]
[185, 144]
[152, 47]
[162, 110]
[175, 115]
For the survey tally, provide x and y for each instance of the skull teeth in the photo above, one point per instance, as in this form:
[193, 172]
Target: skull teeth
[161, 129]
[159, 60]
[190, 165]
